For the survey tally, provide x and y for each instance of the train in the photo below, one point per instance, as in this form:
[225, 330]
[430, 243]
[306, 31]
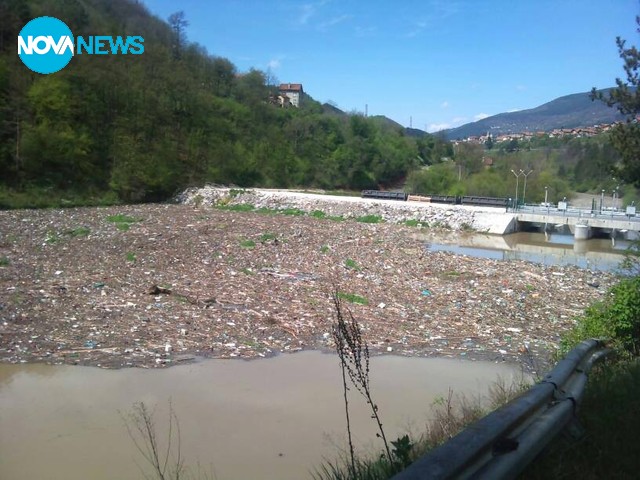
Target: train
[448, 199]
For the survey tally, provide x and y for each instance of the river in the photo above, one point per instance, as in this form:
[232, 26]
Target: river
[273, 418]
[602, 254]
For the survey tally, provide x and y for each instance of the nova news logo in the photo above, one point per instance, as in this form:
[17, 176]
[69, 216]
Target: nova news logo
[46, 45]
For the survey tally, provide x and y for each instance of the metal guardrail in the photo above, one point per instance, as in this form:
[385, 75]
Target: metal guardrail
[502, 444]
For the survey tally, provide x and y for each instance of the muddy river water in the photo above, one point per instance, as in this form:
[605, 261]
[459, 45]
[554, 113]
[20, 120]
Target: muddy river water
[273, 418]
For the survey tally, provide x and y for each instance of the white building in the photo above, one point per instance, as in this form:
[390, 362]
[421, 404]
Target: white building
[293, 91]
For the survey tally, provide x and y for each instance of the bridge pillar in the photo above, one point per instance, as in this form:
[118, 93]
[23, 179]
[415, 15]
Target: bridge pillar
[581, 232]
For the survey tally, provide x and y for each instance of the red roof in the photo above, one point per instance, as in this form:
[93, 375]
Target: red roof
[290, 87]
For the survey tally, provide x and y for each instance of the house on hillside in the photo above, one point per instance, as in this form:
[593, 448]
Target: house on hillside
[293, 91]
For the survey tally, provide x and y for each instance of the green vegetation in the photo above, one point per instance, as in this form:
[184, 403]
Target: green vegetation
[349, 263]
[415, 223]
[122, 222]
[248, 244]
[4, 261]
[617, 318]
[79, 232]
[121, 218]
[139, 128]
[318, 214]
[265, 237]
[369, 219]
[325, 248]
[238, 207]
[130, 256]
[353, 298]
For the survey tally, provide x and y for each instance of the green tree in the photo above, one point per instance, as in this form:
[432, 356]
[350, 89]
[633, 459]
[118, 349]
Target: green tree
[626, 98]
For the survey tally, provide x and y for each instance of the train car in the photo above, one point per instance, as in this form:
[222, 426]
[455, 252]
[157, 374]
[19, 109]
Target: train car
[485, 201]
[382, 195]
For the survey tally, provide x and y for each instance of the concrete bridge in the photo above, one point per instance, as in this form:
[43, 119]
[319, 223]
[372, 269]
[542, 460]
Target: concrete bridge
[583, 223]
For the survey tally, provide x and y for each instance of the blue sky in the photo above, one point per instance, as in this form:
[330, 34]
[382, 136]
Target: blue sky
[434, 63]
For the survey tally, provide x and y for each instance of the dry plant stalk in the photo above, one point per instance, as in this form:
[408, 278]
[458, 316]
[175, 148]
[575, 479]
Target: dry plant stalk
[354, 360]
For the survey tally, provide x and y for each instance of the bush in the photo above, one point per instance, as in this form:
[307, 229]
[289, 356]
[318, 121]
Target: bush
[616, 318]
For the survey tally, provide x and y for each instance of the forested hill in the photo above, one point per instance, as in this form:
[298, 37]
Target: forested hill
[142, 127]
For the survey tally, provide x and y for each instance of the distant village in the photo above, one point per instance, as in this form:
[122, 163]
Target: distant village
[577, 132]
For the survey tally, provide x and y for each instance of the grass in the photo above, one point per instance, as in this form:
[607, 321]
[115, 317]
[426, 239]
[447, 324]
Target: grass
[318, 214]
[296, 212]
[369, 219]
[265, 237]
[353, 298]
[51, 238]
[240, 207]
[122, 218]
[130, 256]
[79, 232]
[415, 223]
[247, 244]
[4, 262]
[123, 222]
[349, 263]
[609, 448]
[324, 248]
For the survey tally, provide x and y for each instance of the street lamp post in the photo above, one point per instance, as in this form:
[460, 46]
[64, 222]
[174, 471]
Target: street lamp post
[524, 191]
[602, 201]
[546, 197]
[517, 185]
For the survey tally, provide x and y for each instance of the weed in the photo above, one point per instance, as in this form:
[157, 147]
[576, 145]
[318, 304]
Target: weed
[197, 200]
[234, 192]
[351, 264]
[4, 262]
[240, 207]
[247, 271]
[51, 238]
[123, 227]
[324, 248]
[265, 237]
[130, 256]
[354, 362]
[248, 244]
[415, 223]
[79, 232]
[336, 218]
[369, 219]
[353, 298]
[122, 218]
[467, 227]
[296, 212]
[318, 214]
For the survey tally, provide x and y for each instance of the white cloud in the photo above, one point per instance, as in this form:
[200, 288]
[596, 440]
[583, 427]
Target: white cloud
[514, 110]
[521, 88]
[274, 63]
[308, 10]
[444, 104]
[436, 127]
[480, 116]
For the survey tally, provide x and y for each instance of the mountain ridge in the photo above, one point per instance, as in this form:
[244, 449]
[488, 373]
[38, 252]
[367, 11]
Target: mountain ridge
[569, 111]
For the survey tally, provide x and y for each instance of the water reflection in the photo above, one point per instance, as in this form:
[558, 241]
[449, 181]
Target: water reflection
[546, 248]
[269, 419]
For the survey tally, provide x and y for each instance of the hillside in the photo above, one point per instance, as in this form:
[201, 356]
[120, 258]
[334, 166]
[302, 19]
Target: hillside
[570, 111]
[139, 128]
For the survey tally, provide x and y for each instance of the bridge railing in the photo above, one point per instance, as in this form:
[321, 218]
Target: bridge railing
[578, 212]
[502, 444]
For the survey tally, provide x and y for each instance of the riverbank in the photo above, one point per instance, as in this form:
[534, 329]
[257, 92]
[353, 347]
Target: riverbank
[157, 285]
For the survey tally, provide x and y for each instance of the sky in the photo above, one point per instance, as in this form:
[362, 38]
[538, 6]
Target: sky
[430, 64]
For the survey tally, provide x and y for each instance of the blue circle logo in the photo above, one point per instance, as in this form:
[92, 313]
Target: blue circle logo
[45, 45]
